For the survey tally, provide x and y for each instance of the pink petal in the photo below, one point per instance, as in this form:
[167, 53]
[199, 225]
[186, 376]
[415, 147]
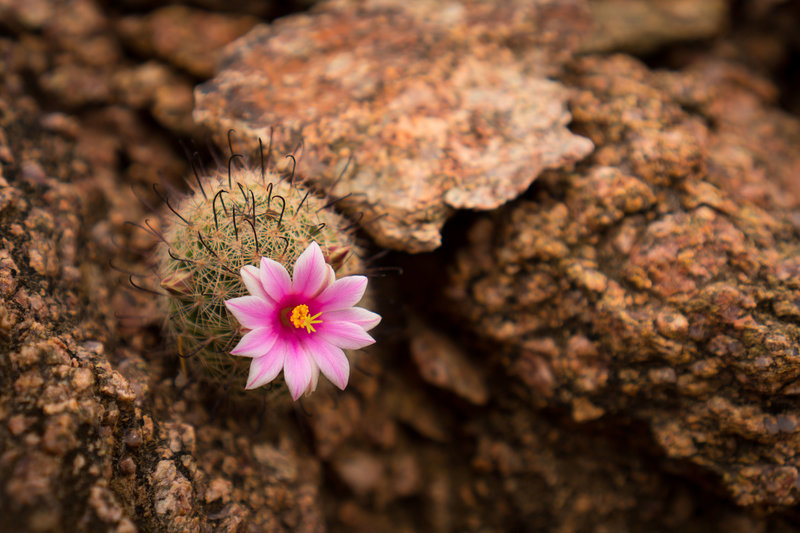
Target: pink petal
[331, 277]
[275, 279]
[344, 335]
[310, 271]
[297, 370]
[255, 343]
[251, 311]
[252, 280]
[355, 315]
[342, 293]
[331, 360]
[314, 378]
[266, 368]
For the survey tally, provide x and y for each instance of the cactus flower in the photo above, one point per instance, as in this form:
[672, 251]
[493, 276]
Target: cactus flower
[300, 324]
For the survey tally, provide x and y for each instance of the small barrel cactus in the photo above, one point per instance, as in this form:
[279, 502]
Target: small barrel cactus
[234, 218]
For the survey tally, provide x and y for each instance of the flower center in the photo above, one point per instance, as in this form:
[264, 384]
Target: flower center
[301, 319]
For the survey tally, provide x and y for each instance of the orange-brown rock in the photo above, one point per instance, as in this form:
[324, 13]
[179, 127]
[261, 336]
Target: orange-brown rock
[655, 284]
[408, 112]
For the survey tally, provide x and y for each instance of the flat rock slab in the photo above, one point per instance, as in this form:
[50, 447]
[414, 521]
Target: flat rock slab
[433, 114]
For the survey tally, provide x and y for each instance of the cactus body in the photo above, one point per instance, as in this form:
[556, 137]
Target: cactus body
[222, 228]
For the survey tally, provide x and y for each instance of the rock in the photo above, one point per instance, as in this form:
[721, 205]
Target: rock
[186, 37]
[259, 8]
[443, 364]
[89, 434]
[600, 382]
[362, 472]
[333, 421]
[656, 306]
[642, 26]
[154, 86]
[432, 109]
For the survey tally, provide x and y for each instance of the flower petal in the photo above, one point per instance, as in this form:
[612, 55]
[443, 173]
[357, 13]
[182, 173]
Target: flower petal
[265, 368]
[275, 279]
[252, 280]
[310, 272]
[256, 343]
[331, 277]
[331, 360]
[297, 369]
[314, 378]
[342, 293]
[344, 335]
[355, 315]
[251, 311]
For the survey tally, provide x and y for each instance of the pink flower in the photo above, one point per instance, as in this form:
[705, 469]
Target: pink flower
[300, 324]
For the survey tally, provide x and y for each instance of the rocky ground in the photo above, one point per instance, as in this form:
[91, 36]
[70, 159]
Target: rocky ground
[607, 340]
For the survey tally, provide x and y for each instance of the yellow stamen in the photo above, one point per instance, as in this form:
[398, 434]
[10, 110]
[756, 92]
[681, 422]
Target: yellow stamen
[301, 319]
